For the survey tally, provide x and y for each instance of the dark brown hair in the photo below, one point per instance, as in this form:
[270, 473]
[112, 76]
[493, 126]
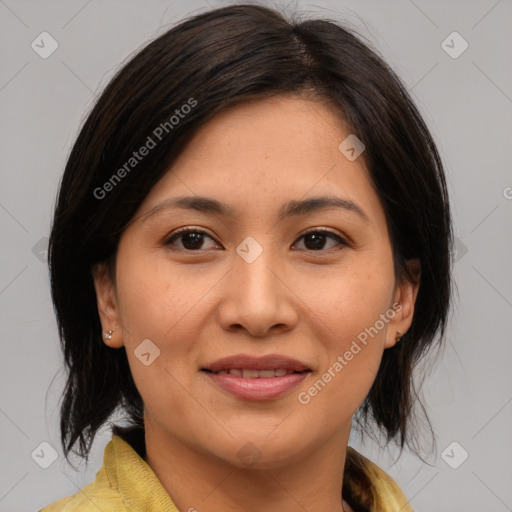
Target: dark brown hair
[217, 59]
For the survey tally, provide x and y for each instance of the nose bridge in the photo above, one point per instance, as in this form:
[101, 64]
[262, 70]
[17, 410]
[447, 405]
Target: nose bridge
[257, 282]
[256, 297]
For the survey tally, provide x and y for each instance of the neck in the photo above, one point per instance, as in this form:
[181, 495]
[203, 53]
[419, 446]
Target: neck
[198, 481]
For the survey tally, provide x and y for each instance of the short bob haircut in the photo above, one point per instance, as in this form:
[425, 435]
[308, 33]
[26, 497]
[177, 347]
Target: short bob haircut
[211, 61]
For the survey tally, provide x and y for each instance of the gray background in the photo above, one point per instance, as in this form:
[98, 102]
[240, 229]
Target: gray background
[466, 102]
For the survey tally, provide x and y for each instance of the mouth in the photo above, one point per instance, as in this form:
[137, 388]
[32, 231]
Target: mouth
[254, 367]
[257, 378]
[248, 373]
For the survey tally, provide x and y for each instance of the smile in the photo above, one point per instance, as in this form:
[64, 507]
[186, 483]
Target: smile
[256, 388]
[248, 373]
[249, 377]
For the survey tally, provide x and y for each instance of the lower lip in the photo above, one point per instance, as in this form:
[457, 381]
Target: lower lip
[260, 388]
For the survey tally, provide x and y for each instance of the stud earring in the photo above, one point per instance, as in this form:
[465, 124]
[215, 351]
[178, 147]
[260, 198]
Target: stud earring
[398, 336]
[108, 335]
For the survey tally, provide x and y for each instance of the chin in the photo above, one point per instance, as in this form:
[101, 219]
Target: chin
[258, 453]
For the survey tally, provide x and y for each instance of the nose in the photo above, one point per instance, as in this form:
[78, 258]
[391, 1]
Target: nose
[257, 298]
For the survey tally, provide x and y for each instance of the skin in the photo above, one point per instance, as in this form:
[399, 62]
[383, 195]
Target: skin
[200, 305]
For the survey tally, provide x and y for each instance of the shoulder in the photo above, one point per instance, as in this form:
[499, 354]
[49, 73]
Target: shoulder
[102, 494]
[125, 482]
[372, 487]
[89, 499]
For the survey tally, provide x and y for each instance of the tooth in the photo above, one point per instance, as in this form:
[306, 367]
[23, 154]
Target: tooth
[280, 372]
[265, 374]
[222, 372]
[250, 374]
[236, 372]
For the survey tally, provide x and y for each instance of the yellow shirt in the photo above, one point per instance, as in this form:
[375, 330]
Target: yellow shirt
[126, 483]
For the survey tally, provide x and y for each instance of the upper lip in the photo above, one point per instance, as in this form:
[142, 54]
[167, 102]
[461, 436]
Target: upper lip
[268, 362]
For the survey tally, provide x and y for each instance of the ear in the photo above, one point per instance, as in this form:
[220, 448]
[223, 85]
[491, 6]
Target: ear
[403, 304]
[107, 305]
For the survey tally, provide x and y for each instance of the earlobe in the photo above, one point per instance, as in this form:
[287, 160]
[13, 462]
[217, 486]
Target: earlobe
[405, 296]
[107, 306]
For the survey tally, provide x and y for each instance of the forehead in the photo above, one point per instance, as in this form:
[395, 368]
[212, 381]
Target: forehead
[288, 128]
[263, 153]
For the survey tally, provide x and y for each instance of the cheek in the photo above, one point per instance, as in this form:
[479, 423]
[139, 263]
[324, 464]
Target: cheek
[354, 296]
[353, 310]
[155, 305]
[165, 305]
[152, 296]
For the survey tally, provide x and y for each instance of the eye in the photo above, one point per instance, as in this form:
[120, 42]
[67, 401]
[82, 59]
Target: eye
[315, 239]
[192, 239]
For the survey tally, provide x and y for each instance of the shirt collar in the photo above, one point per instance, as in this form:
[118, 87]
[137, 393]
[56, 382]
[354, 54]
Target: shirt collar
[126, 470]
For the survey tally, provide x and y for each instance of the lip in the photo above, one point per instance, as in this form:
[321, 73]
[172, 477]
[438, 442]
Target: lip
[257, 388]
[268, 362]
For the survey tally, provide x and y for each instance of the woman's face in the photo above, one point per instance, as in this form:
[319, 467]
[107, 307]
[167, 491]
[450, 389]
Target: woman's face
[304, 317]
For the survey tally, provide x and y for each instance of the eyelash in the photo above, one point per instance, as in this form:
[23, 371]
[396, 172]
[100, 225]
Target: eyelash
[341, 241]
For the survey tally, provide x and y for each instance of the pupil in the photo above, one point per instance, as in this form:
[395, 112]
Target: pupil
[317, 239]
[193, 239]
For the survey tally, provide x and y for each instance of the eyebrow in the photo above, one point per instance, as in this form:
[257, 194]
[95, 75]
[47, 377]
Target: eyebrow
[290, 209]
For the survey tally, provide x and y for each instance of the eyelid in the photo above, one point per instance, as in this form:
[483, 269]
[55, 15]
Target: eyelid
[186, 229]
[342, 239]
[320, 229]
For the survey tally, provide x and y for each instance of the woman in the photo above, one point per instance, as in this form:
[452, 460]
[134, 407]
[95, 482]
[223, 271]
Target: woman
[250, 249]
